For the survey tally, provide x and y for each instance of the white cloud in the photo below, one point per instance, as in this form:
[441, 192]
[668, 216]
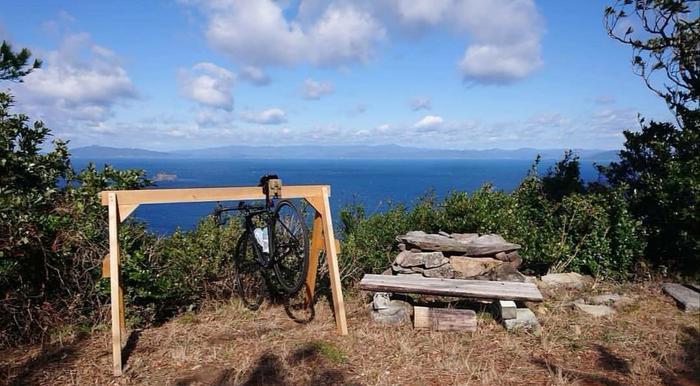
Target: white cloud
[429, 122]
[343, 34]
[384, 127]
[549, 119]
[272, 116]
[208, 84]
[254, 75]
[504, 39]
[420, 103]
[503, 35]
[426, 12]
[258, 33]
[213, 117]
[314, 89]
[79, 81]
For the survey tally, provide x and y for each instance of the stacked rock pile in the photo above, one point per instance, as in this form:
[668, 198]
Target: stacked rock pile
[457, 256]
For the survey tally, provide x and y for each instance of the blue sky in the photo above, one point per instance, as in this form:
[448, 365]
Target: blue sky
[462, 74]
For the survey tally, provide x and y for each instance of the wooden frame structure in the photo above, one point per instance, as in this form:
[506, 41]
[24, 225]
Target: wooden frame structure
[122, 203]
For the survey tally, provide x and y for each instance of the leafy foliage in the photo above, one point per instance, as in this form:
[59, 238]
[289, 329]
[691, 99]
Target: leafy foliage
[592, 233]
[659, 169]
[564, 178]
[667, 54]
[15, 65]
[28, 180]
[53, 236]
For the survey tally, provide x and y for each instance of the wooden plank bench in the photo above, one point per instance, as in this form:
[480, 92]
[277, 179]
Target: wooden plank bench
[416, 284]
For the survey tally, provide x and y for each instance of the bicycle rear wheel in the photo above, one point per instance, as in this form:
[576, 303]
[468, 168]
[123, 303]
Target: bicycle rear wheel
[290, 244]
[250, 281]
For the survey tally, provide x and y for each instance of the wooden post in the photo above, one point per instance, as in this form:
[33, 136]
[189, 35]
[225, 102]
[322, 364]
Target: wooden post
[333, 270]
[315, 249]
[115, 290]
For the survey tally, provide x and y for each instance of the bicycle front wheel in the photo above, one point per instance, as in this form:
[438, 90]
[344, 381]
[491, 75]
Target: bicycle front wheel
[250, 281]
[290, 244]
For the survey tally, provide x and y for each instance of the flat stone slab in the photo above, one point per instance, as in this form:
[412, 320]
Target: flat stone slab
[445, 271]
[689, 299]
[566, 280]
[473, 266]
[408, 259]
[525, 319]
[595, 310]
[466, 237]
[481, 246]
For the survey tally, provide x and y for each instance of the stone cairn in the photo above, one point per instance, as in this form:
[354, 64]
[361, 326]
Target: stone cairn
[458, 256]
[452, 256]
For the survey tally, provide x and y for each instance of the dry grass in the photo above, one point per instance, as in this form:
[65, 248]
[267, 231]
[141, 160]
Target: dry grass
[649, 342]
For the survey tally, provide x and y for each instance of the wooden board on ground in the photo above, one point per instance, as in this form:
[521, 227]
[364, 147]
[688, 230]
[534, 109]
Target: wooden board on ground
[444, 319]
[417, 284]
[684, 295]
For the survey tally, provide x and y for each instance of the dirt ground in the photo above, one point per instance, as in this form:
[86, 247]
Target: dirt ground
[648, 342]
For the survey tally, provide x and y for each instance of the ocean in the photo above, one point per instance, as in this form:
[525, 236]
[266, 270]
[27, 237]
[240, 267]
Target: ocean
[373, 183]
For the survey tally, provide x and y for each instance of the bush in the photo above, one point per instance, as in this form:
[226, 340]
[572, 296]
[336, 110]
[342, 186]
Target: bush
[53, 236]
[163, 276]
[659, 173]
[593, 233]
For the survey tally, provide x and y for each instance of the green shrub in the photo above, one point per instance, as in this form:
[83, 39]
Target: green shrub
[592, 233]
[165, 275]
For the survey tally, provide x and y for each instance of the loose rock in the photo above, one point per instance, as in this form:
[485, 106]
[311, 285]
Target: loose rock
[401, 270]
[606, 299]
[445, 271]
[467, 266]
[506, 272]
[408, 259]
[566, 280]
[398, 312]
[381, 300]
[595, 310]
[525, 319]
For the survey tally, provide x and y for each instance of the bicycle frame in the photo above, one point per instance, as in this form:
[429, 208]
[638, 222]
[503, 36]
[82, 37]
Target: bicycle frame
[249, 212]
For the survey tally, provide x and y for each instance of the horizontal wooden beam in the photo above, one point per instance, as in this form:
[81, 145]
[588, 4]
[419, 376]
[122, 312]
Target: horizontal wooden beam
[165, 196]
[417, 284]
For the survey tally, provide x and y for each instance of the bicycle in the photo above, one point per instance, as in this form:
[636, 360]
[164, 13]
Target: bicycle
[274, 239]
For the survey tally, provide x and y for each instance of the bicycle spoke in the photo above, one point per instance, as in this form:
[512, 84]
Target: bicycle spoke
[289, 231]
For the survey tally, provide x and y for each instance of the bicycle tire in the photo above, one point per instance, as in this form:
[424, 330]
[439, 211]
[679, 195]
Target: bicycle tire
[290, 246]
[250, 281]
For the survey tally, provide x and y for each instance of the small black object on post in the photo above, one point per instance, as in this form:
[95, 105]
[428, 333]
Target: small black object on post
[272, 187]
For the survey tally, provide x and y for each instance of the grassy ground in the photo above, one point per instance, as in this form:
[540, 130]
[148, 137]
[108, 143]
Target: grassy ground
[648, 342]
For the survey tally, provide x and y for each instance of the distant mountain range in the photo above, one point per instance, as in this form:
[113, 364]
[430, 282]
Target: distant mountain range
[335, 152]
